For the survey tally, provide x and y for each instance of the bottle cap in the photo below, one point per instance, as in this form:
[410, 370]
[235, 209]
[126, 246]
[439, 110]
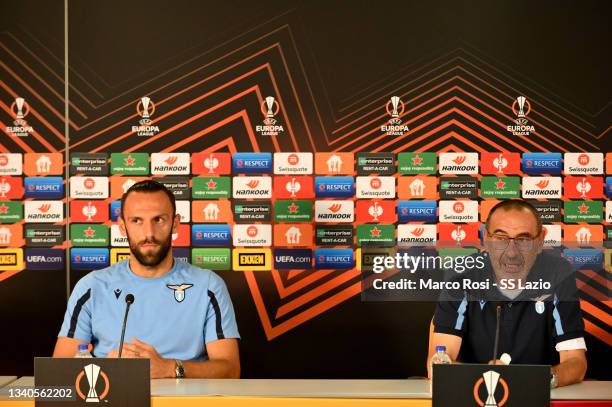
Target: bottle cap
[82, 347]
[440, 348]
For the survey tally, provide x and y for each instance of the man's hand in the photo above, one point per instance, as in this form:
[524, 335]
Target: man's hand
[160, 367]
[496, 362]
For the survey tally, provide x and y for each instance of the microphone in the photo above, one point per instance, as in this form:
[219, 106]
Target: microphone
[498, 309]
[129, 300]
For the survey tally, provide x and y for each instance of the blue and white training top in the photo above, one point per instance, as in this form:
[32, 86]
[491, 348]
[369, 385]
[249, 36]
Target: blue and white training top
[178, 313]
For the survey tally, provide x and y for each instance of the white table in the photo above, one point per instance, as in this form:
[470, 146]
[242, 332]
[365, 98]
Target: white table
[280, 392]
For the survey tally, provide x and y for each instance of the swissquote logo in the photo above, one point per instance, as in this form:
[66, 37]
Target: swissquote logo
[458, 163]
[376, 187]
[552, 235]
[491, 380]
[458, 211]
[92, 373]
[395, 108]
[583, 163]
[20, 109]
[89, 187]
[293, 163]
[334, 211]
[270, 109]
[521, 109]
[542, 187]
[145, 108]
[11, 164]
[252, 235]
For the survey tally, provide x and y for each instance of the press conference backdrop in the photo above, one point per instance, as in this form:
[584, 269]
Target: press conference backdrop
[149, 81]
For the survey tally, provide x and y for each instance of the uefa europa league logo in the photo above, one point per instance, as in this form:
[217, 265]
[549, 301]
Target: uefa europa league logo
[395, 108]
[491, 379]
[145, 109]
[269, 108]
[92, 373]
[20, 110]
[19, 102]
[524, 107]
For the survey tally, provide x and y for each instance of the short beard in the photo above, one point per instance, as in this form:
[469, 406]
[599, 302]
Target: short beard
[155, 258]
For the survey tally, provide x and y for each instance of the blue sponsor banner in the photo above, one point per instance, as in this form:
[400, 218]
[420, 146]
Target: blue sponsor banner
[211, 235]
[44, 187]
[45, 259]
[609, 187]
[89, 259]
[181, 254]
[334, 187]
[542, 163]
[584, 258]
[416, 211]
[115, 210]
[252, 163]
[336, 259]
[293, 259]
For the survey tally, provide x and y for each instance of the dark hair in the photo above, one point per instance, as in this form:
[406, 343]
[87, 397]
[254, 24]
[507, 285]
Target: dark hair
[149, 186]
[516, 205]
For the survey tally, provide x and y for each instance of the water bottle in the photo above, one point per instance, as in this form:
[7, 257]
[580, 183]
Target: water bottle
[83, 352]
[440, 357]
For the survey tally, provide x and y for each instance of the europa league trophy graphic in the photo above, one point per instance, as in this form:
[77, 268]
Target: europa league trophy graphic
[521, 103]
[395, 104]
[19, 103]
[395, 109]
[270, 113]
[490, 379]
[144, 113]
[521, 114]
[20, 109]
[92, 372]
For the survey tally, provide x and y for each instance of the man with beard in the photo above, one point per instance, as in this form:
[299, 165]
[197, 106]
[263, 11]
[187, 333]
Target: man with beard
[538, 325]
[182, 318]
